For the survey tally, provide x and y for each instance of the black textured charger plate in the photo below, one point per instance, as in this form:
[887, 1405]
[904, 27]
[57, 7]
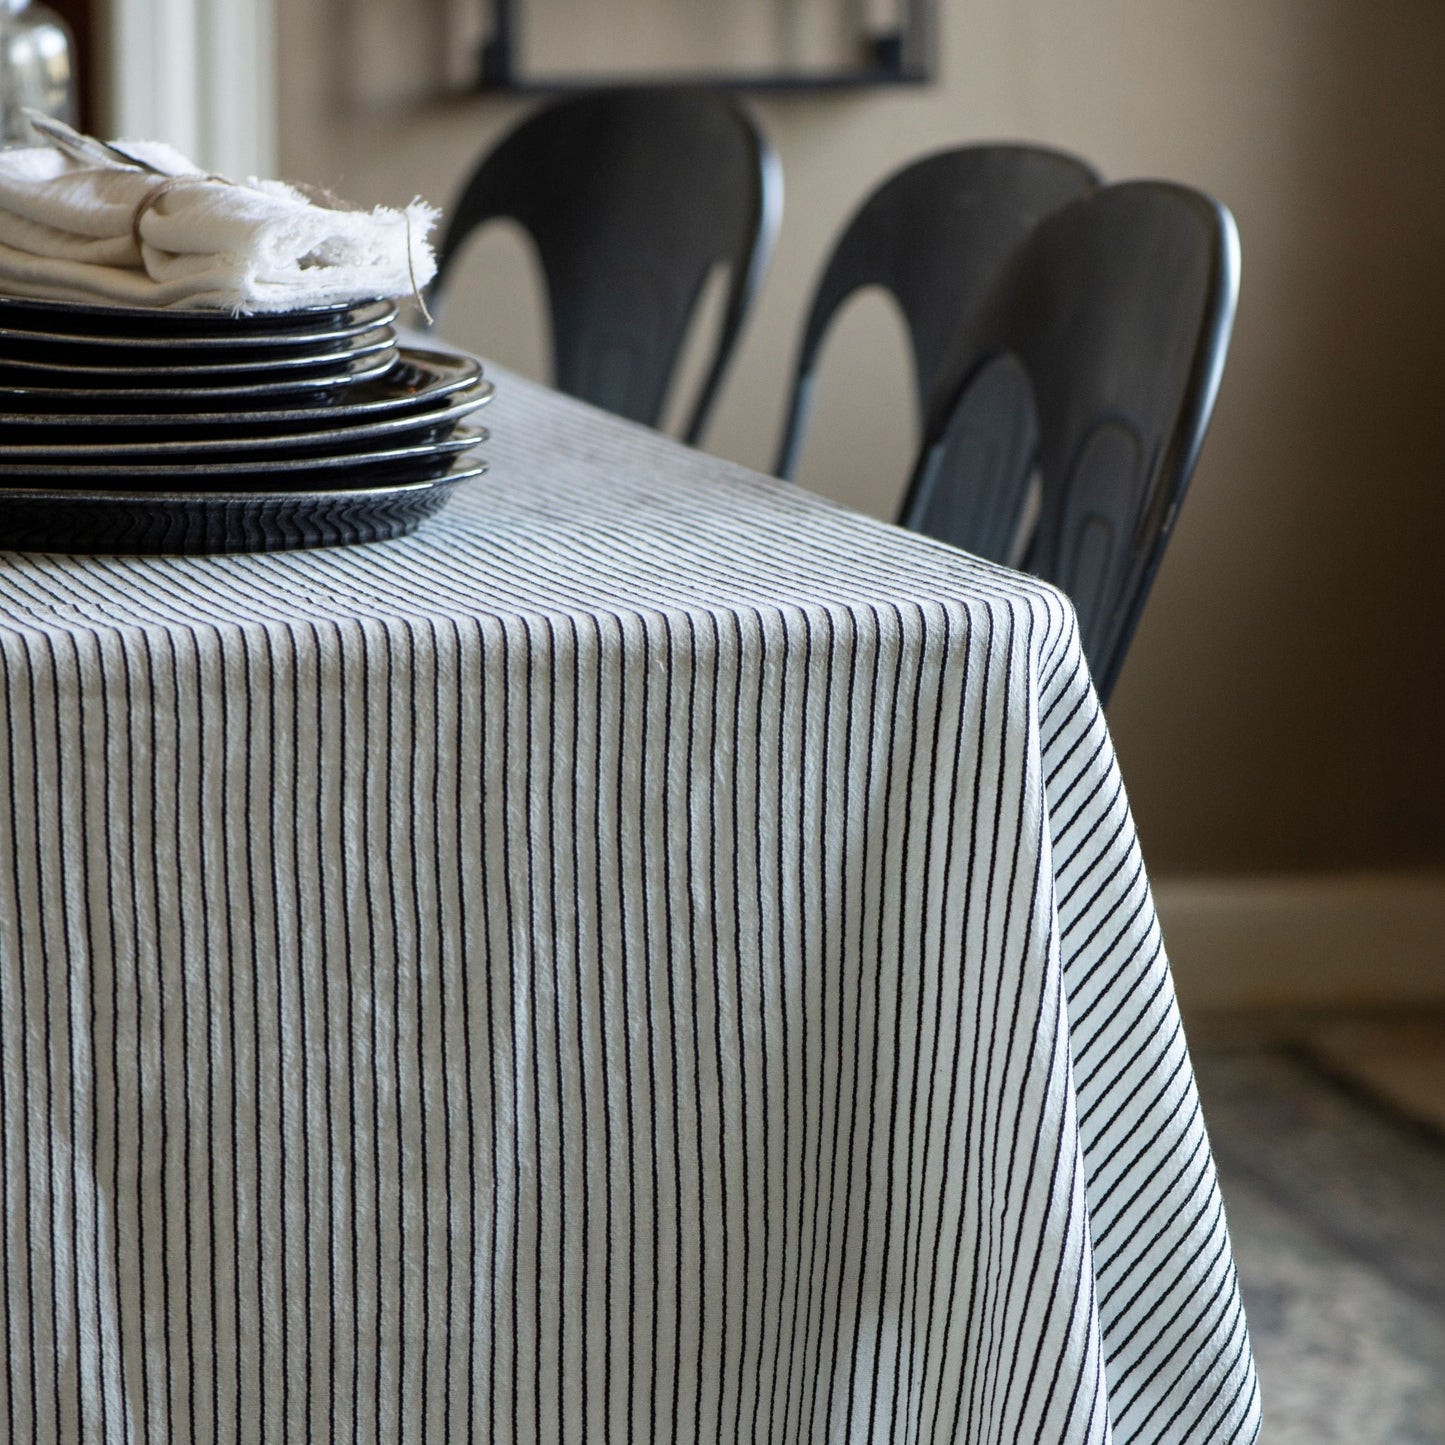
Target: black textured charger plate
[115, 522]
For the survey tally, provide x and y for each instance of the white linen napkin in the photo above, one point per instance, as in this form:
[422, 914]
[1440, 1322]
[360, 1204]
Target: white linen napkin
[78, 223]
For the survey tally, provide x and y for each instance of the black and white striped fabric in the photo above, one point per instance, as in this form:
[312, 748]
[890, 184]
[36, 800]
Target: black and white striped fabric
[653, 957]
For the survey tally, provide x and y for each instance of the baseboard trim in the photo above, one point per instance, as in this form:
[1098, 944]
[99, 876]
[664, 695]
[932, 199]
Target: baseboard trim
[1342, 940]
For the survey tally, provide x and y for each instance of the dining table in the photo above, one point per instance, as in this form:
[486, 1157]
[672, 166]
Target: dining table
[654, 955]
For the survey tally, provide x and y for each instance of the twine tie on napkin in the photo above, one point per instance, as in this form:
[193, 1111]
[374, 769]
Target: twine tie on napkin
[155, 193]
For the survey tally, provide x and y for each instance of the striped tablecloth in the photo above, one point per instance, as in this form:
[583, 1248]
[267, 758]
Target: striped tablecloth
[653, 957]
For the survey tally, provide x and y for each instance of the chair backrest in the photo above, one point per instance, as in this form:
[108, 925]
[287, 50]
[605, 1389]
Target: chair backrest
[1087, 377]
[933, 235]
[631, 199]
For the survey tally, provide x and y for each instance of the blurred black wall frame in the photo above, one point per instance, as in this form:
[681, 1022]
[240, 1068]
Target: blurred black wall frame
[561, 45]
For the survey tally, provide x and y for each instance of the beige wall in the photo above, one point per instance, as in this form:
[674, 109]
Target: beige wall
[1277, 710]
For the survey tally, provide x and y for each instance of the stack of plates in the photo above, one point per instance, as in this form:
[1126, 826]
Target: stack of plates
[131, 430]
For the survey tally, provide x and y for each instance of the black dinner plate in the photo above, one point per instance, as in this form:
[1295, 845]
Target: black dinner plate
[348, 436]
[113, 521]
[153, 468]
[258, 390]
[419, 379]
[83, 321]
[41, 366]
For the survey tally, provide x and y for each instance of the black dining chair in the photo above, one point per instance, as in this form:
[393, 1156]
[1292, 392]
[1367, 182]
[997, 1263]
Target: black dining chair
[932, 236]
[631, 199]
[1074, 401]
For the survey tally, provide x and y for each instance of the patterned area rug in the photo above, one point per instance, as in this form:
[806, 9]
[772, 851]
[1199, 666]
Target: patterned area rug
[1336, 1205]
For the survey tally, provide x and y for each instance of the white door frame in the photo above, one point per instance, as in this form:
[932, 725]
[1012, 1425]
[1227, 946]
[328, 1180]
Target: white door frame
[199, 74]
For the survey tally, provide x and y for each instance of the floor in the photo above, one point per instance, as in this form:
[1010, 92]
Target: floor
[1330, 1138]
